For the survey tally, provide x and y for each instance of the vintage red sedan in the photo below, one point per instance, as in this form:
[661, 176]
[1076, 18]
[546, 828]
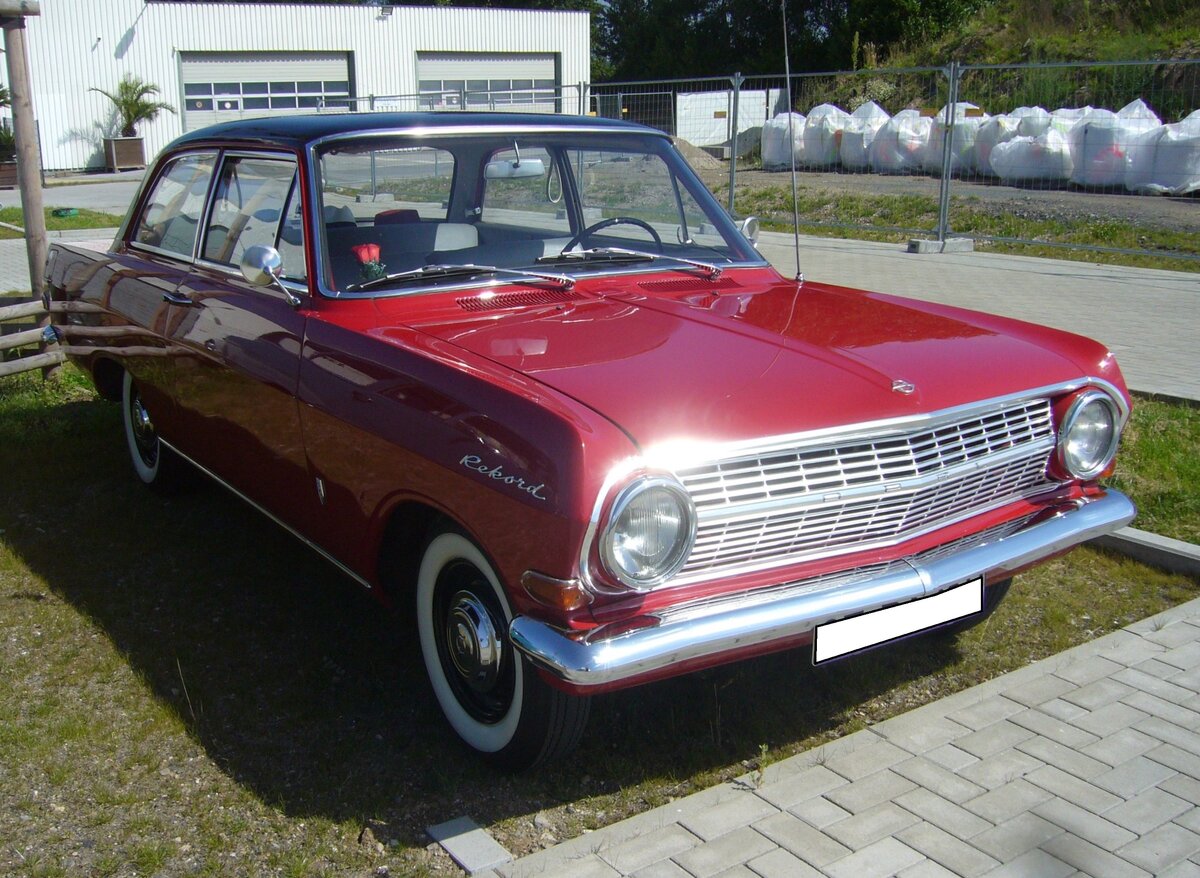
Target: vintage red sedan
[523, 374]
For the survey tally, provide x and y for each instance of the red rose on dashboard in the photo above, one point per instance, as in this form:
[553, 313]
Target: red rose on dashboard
[366, 252]
[368, 257]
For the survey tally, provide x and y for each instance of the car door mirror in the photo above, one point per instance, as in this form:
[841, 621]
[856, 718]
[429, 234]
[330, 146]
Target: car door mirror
[749, 228]
[262, 266]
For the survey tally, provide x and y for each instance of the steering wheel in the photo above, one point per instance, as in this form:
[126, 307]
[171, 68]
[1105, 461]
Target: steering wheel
[612, 221]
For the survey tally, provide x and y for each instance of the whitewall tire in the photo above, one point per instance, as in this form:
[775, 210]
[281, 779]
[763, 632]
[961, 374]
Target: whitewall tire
[154, 463]
[494, 700]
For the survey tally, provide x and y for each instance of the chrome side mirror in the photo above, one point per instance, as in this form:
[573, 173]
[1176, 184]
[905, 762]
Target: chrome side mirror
[749, 228]
[262, 266]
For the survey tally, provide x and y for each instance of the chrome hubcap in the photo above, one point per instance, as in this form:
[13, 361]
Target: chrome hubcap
[141, 420]
[143, 431]
[473, 643]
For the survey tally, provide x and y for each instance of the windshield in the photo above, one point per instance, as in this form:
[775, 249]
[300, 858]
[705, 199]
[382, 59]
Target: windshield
[404, 214]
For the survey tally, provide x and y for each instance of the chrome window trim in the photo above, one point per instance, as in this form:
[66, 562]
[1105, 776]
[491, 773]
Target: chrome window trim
[236, 274]
[671, 458]
[287, 527]
[130, 239]
[210, 198]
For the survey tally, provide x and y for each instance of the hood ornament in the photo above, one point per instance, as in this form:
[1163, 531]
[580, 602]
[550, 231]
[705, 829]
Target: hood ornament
[899, 385]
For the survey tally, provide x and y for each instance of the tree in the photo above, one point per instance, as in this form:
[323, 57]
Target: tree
[134, 103]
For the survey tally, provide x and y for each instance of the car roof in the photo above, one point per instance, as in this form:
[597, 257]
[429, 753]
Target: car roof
[296, 131]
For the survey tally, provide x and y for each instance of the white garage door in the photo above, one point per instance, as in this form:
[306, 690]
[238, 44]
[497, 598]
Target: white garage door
[220, 86]
[510, 81]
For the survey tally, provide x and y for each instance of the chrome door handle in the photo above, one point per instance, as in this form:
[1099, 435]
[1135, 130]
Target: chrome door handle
[179, 299]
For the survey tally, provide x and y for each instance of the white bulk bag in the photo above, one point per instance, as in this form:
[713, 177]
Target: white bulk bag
[1045, 157]
[864, 123]
[993, 132]
[1064, 118]
[1100, 140]
[899, 145]
[1032, 121]
[962, 144]
[776, 155]
[1166, 160]
[823, 135]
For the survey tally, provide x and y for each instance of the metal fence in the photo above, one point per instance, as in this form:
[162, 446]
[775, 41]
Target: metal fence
[960, 150]
[568, 99]
[997, 153]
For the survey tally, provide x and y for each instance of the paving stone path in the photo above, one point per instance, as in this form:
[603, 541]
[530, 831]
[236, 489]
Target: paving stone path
[1085, 763]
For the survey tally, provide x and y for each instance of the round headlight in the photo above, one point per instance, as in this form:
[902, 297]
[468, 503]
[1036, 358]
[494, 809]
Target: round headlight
[650, 532]
[1087, 439]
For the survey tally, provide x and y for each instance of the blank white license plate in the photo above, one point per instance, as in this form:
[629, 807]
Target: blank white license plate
[845, 636]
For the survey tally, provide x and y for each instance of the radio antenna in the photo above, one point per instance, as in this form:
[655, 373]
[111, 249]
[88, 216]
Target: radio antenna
[787, 72]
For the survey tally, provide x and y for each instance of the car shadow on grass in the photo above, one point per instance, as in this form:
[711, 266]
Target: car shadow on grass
[314, 699]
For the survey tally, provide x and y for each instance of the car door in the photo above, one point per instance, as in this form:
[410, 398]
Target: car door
[145, 272]
[236, 380]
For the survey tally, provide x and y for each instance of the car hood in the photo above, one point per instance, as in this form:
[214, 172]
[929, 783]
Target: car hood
[729, 360]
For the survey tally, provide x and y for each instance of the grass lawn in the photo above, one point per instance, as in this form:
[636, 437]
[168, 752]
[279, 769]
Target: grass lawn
[1159, 466]
[189, 691]
[84, 219]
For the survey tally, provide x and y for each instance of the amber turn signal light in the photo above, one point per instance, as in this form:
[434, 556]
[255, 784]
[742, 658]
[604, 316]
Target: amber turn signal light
[565, 595]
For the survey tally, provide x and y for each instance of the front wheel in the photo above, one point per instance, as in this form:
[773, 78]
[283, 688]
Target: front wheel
[155, 464]
[489, 693]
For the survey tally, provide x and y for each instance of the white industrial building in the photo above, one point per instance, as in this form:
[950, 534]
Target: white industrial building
[221, 60]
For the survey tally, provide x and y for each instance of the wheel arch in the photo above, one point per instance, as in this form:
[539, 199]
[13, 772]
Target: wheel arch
[107, 375]
[407, 527]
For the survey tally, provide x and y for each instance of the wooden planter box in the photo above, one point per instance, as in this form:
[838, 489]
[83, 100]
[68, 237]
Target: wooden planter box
[8, 175]
[124, 153]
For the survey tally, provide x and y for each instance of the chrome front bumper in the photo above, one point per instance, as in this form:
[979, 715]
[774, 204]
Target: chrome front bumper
[708, 630]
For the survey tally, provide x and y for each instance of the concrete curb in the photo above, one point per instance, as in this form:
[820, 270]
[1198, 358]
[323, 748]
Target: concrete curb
[1174, 556]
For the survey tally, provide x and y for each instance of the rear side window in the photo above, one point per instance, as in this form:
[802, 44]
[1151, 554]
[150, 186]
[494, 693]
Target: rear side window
[172, 213]
[248, 205]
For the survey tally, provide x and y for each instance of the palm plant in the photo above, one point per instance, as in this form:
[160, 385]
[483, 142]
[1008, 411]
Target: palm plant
[134, 101]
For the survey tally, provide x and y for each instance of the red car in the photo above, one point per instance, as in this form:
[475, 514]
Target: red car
[524, 373]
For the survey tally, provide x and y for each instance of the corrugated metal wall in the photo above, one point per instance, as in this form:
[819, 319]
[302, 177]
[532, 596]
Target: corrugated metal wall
[78, 44]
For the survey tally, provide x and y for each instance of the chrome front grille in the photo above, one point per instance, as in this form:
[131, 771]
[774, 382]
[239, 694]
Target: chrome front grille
[761, 510]
[840, 578]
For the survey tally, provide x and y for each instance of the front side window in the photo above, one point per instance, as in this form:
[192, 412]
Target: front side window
[248, 205]
[171, 216]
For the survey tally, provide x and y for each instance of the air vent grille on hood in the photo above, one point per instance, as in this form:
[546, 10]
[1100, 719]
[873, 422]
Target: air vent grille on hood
[486, 302]
[688, 285]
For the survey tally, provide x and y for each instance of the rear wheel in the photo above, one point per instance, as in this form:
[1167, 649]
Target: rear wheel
[489, 693]
[155, 464]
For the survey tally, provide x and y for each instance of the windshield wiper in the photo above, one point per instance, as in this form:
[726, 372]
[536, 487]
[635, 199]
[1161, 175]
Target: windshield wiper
[430, 272]
[621, 254]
